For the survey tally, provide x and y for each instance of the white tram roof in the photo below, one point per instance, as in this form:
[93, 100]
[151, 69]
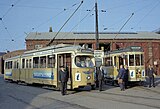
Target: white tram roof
[53, 49]
[59, 48]
[127, 49]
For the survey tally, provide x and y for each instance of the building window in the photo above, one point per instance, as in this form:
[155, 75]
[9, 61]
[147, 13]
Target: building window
[38, 46]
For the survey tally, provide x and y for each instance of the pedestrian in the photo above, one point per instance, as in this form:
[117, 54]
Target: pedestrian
[63, 79]
[150, 73]
[126, 76]
[100, 72]
[120, 77]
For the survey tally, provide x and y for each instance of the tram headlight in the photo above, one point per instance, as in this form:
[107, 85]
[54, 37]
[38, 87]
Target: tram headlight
[88, 77]
[139, 70]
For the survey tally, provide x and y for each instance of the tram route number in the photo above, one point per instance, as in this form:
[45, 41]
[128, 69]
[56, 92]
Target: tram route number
[78, 77]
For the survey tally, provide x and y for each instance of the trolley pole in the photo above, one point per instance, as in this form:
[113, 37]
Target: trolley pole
[97, 39]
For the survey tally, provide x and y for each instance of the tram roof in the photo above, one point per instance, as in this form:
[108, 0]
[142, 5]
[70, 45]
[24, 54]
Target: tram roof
[91, 35]
[58, 48]
[53, 49]
[127, 49]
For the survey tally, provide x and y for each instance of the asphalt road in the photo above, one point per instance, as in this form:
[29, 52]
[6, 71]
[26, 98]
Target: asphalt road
[20, 96]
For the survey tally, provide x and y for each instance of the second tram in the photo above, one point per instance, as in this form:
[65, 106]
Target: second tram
[131, 57]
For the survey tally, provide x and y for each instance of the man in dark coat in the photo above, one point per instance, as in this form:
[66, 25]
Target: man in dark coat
[63, 79]
[150, 72]
[120, 77]
[100, 73]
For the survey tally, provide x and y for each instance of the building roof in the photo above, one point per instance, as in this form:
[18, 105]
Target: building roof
[91, 35]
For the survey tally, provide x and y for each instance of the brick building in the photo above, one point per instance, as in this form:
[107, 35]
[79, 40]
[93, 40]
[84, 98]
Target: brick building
[149, 41]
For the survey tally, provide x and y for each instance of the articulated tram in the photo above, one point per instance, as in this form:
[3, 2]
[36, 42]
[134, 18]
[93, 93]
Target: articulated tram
[42, 66]
[132, 57]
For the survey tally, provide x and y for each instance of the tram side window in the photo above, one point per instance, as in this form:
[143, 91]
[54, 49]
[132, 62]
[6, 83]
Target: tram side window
[114, 60]
[35, 62]
[131, 60]
[16, 64]
[43, 62]
[137, 59]
[23, 63]
[108, 61]
[27, 63]
[30, 63]
[8, 65]
[126, 60]
[142, 60]
[51, 61]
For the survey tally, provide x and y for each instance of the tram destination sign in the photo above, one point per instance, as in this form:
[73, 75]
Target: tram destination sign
[98, 53]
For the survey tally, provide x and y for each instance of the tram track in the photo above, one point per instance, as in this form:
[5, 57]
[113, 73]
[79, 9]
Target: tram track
[104, 95]
[110, 97]
[17, 98]
[148, 90]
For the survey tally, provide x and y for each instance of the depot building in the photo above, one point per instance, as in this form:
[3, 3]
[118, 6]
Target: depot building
[149, 41]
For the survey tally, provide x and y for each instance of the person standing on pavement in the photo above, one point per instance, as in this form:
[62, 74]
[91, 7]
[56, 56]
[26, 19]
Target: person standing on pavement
[100, 73]
[150, 72]
[63, 77]
[120, 77]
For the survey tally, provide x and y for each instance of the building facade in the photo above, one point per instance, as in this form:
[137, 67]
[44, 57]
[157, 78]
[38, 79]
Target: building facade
[149, 41]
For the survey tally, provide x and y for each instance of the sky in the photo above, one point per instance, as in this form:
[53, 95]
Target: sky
[20, 17]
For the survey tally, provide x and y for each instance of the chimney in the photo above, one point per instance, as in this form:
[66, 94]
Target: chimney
[50, 29]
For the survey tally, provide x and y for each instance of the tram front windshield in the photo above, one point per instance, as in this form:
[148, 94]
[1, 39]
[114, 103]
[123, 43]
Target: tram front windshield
[136, 60]
[84, 61]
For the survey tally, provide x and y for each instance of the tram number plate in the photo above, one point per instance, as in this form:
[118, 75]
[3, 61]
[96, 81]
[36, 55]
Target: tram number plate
[78, 77]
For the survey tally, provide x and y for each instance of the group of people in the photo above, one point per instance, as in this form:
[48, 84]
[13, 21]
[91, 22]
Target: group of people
[122, 77]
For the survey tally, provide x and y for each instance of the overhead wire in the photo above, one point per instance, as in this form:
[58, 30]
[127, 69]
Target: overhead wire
[65, 23]
[2, 21]
[79, 23]
[121, 29]
[64, 9]
[115, 23]
[141, 20]
[10, 9]
[7, 31]
[48, 20]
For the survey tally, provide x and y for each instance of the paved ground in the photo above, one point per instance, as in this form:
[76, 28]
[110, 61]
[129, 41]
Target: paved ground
[15, 96]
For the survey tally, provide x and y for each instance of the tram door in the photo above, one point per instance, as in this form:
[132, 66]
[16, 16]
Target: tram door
[120, 61]
[65, 60]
